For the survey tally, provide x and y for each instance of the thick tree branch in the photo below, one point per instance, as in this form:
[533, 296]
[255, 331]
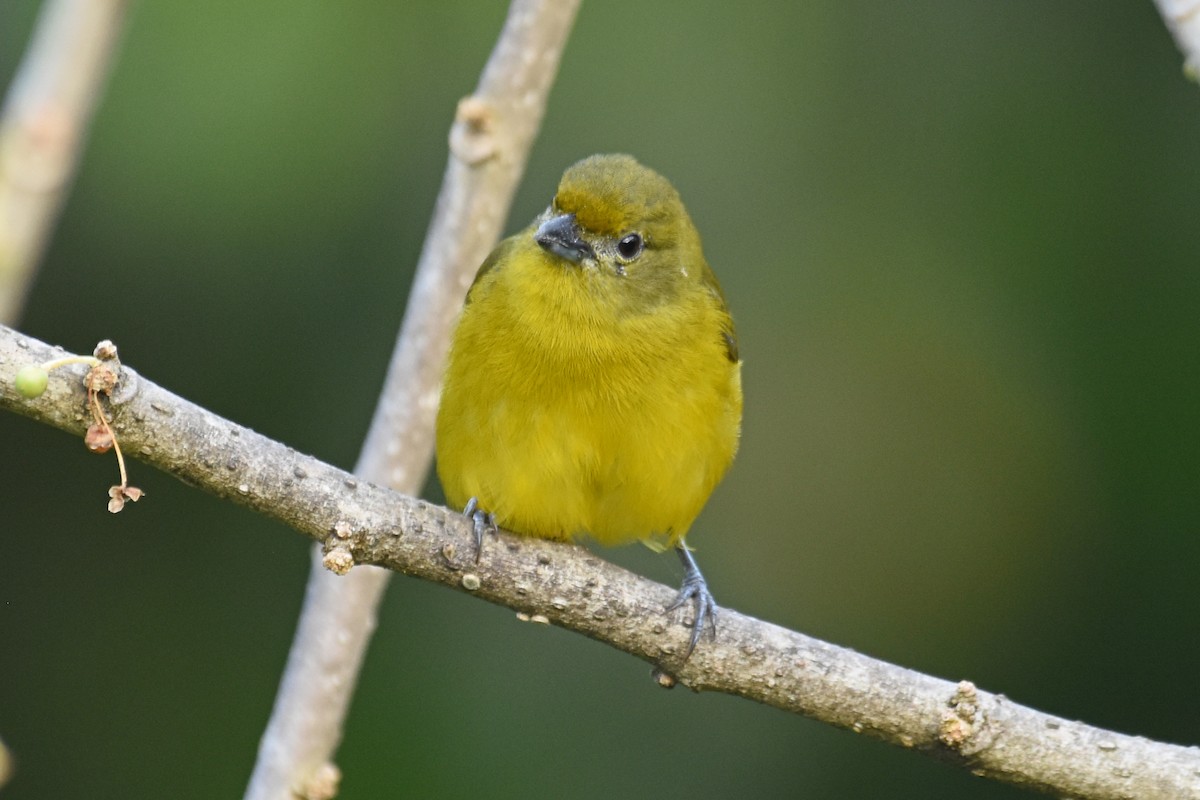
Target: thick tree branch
[42, 127]
[490, 140]
[358, 523]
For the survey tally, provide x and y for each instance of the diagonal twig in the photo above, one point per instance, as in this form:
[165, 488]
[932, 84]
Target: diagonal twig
[42, 127]
[1183, 20]
[492, 133]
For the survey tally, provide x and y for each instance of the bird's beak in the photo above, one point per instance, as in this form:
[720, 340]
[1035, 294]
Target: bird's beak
[561, 236]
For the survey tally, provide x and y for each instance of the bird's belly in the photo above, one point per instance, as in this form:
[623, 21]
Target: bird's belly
[571, 464]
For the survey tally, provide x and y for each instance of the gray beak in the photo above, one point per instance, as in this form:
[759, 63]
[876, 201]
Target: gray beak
[561, 236]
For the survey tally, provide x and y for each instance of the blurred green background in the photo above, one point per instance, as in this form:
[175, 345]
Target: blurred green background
[960, 242]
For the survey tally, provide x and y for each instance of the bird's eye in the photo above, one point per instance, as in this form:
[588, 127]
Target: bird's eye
[630, 246]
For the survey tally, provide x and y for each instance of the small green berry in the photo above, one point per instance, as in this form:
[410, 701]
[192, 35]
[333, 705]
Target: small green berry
[31, 381]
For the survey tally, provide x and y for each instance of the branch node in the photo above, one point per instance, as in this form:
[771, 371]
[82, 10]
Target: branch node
[323, 784]
[339, 560]
[105, 350]
[472, 139]
[663, 678]
[42, 140]
[965, 727]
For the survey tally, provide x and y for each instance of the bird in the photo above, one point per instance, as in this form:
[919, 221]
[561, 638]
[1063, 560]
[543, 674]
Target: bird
[593, 384]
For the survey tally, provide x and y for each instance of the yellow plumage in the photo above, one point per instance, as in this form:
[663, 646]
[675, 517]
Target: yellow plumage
[594, 387]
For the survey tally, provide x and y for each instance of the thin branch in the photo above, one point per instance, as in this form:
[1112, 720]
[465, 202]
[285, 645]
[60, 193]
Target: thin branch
[42, 127]
[5, 765]
[358, 523]
[1183, 20]
[490, 140]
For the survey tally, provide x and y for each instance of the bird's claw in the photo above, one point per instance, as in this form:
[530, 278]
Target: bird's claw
[483, 522]
[695, 590]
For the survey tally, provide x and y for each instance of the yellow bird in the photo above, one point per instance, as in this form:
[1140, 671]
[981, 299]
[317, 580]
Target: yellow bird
[594, 384]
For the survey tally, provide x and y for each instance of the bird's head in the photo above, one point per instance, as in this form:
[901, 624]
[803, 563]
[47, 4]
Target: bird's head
[624, 228]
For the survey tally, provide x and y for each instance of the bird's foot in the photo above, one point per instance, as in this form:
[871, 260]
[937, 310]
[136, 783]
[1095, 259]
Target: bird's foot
[483, 521]
[695, 590]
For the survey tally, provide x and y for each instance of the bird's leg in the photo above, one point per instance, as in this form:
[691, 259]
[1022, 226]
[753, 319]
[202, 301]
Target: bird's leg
[483, 521]
[695, 590]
